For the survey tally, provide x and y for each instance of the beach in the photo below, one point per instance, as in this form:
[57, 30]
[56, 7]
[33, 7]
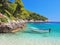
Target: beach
[28, 41]
[23, 22]
[33, 38]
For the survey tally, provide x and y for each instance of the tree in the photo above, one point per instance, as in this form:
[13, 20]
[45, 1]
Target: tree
[5, 9]
[16, 10]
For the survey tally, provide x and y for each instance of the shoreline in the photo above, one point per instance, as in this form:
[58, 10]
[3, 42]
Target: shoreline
[18, 29]
[42, 22]
[15, 30]
[31, 41]
[13, 26]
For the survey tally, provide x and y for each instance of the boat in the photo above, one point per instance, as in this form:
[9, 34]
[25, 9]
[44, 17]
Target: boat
[40, 30]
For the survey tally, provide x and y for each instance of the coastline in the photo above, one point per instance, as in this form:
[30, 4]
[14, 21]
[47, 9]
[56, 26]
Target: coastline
[44, 21]
[15, 26]
[30, 38]
[12, 26]
[18, 29]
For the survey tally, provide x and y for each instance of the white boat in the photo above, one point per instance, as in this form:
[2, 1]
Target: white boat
[39, 30]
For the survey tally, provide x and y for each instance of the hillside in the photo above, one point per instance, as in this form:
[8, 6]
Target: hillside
[15, 10]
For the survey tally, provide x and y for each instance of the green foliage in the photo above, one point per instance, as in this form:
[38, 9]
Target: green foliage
[4, 20]
[12, 7]
[36, 16]
[17, 10]
[0, 4]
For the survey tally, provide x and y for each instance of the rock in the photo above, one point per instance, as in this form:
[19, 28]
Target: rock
[8, 27]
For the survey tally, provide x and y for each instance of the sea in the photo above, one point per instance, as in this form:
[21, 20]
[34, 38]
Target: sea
[26, 37]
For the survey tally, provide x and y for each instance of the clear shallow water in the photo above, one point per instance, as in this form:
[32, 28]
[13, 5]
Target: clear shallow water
[26, 38]
[54, 26]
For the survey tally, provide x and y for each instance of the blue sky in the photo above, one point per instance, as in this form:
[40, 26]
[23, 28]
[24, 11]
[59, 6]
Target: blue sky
[47, 8]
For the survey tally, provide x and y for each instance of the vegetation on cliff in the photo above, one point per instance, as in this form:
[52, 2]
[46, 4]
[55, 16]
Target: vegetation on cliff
[14, 10]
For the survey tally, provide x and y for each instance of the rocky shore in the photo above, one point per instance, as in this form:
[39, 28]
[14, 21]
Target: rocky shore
[12, 26]
[36, 21]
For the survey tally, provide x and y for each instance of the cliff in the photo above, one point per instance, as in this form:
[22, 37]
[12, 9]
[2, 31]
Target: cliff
[15, 10]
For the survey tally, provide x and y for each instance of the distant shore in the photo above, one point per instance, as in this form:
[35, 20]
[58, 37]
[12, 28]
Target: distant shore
[37, 21]
[44, 21]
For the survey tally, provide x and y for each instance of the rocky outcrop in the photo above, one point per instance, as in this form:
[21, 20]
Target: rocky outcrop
[11, 26]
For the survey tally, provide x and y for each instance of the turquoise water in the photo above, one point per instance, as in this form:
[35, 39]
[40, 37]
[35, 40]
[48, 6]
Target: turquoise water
[33, 38]
[55, 31]
[54, 26]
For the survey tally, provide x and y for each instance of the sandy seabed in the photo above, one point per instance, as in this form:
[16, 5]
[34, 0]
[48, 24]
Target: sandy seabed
[29, 41]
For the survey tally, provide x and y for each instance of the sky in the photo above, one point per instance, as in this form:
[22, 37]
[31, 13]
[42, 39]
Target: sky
[47, 8]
